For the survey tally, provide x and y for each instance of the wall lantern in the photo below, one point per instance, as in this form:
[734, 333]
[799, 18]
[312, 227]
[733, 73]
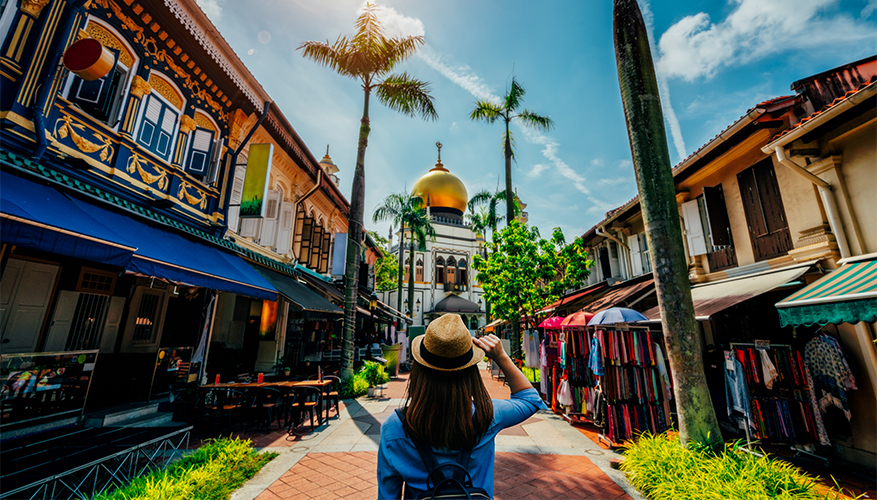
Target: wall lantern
[88, 59]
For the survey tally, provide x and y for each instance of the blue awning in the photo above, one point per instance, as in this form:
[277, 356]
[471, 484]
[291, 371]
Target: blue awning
[297, 293]
[173, 256]
[40, 217]
[37, 216]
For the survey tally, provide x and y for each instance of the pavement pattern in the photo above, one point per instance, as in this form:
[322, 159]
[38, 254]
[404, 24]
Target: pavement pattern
[541, 458]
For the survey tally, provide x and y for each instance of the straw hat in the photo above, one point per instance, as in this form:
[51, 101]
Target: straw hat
[446, 346]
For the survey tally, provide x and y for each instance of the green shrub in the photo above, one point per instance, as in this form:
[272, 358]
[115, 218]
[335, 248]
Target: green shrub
[213, 472]
[355, 387]
[374, 373]
[662, 469]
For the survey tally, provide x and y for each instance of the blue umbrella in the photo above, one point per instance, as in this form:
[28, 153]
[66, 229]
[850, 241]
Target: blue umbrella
[616, 315]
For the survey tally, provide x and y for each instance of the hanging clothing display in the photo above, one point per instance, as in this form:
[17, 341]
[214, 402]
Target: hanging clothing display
[768, 369]
[830, 372]
[532, 358]
[543, 367]
[736, 390]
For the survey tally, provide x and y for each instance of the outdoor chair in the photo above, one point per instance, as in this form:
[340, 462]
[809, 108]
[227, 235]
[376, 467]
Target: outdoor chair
[307, 399]
[330, 397]
[224, 403]
[267, 407]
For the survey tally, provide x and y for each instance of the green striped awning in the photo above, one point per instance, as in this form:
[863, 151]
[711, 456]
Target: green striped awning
[846, 295]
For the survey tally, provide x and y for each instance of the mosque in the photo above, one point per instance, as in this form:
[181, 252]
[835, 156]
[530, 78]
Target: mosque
[443, 277]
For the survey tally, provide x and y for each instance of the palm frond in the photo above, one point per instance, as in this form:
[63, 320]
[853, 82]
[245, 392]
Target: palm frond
[397, 50]
[407, 95]
[369, 30]
[391, 208]
[515, 96]
[333, 56]
[485, 111]
[531, 120]
[511, 143]
[479, 198]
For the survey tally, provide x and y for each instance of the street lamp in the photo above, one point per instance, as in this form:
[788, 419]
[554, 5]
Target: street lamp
[418, 305]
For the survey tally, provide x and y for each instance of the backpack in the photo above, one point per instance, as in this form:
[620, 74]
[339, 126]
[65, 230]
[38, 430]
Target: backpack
[448, 481]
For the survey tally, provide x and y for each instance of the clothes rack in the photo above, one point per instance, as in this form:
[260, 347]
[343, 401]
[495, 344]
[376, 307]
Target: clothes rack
[749, 442]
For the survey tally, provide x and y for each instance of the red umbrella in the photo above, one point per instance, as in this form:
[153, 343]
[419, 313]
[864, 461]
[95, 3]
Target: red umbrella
[580, 318]
[552, 323]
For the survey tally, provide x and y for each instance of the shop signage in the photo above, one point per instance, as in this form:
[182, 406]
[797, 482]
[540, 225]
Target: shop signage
[256, 181]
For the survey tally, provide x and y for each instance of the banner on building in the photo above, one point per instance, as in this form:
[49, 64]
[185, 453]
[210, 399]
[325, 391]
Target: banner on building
[256, 180]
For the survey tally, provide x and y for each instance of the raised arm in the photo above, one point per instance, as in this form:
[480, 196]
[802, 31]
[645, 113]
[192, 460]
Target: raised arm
[493, 349]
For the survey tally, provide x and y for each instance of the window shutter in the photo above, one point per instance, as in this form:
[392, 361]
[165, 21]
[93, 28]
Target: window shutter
[268, 237]
[215, 159]
[149, 127]
[62, 320]
[237, 191]
[97, 97]
[693, 228]
[112, 324]
[635, 259]
[250, 227]
[284, 231]
[165, 135]
[324, 252]
[717, 215]
[316, 247]
[117, 97]
[307, 229]
[199, 154]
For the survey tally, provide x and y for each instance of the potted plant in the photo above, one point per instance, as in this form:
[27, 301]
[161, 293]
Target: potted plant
[282, 366]
[374, 375]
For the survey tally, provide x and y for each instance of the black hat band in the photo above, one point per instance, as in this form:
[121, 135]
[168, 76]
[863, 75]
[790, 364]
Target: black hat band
[443, 362]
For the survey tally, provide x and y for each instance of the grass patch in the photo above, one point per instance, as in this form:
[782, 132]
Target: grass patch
[213, 472]
[662, 469]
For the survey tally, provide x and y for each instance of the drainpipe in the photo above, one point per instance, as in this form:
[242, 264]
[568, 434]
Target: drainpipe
[40, 103]
[600, 232]
[234, 161]
[828, 202]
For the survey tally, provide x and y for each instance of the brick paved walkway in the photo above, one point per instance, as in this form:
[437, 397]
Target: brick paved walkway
[541, 458]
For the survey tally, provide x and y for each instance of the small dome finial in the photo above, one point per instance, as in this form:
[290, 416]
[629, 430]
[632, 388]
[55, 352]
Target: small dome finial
[439, 146]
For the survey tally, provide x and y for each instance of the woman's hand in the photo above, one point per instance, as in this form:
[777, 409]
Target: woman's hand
[491, 345]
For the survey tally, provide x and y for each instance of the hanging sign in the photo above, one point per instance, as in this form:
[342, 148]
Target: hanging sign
[256, 181]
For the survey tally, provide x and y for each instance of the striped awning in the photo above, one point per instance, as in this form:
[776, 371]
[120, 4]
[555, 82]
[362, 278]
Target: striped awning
[846, 295]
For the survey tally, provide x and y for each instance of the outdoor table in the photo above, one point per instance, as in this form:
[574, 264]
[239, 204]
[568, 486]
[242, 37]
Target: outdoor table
[323, 385]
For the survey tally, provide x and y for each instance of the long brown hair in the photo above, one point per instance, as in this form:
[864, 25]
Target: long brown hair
[439, 407]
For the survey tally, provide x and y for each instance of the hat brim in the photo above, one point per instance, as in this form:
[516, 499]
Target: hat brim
[477, 355]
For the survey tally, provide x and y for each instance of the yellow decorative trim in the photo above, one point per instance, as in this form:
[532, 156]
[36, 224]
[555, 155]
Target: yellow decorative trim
[10, 64]
[187, 124]
[166, 90]
[66, 125]
[17, 119]
[204, 122]
[140, 87]
[108, 39]
[10, 52]
[33, 7]
[201, 202]
[8, 76]
[134, 162]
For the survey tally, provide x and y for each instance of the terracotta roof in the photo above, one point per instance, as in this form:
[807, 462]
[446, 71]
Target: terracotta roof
[828, 106]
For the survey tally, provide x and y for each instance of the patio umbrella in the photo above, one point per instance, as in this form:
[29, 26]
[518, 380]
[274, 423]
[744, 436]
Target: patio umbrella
[580, 318]
[552, 323]
[616, 315]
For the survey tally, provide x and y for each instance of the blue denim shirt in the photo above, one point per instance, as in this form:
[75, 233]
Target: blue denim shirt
[399, 461]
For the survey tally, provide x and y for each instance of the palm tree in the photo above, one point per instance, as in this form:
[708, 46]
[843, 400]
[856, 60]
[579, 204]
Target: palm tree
[651, 163]
[369, 56]
[407, 211]
[507, 111]
[490, 202]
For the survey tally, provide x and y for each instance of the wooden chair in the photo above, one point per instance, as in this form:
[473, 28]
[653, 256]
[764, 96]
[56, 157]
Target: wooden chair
[307, 399]
[267, 406]
[331, 397]
[224, 403]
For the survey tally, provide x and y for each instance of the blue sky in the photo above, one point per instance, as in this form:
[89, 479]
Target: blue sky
[715, 60]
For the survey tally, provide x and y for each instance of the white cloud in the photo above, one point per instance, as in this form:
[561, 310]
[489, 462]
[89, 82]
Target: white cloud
[211, 8]
[695, 47]
[624, 164]
[396, 24]
[537, 169]
[614, 181]
[461, 75]
[869, 9]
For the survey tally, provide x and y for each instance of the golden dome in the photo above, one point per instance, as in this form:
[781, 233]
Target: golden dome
[442, 189]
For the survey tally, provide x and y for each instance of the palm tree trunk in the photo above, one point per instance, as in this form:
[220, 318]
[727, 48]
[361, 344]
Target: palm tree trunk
[411, 276]
[401, 268]
[509, 195]
[651, 160]
[354, 239]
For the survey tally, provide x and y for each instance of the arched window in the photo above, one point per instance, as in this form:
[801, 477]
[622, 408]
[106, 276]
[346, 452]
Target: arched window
[418, 270]
[204, 149]
[407, 269]
[316, 245]
[161, 114]
[439, 271]
[451, 271]
[462, 276]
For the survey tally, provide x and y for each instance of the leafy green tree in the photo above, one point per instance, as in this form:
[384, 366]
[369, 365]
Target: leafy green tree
[526, 272]
[407, 211]
[368, 57]
[651, 163]
[387, 267]
[507, 111]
